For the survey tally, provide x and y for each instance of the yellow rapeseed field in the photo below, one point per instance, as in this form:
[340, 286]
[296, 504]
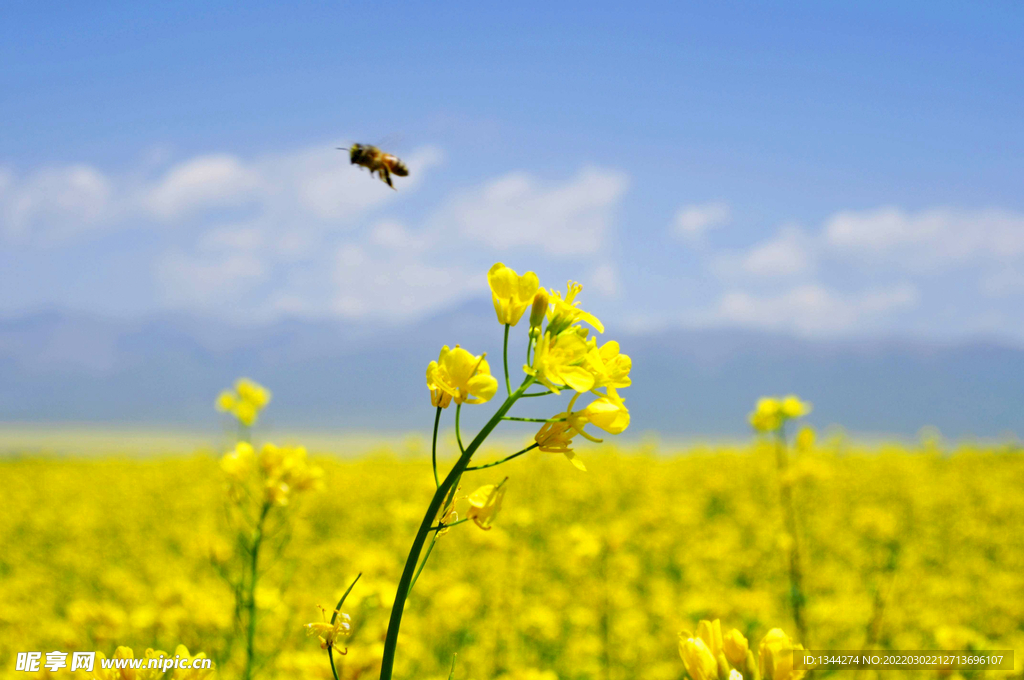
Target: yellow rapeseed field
[583, 575]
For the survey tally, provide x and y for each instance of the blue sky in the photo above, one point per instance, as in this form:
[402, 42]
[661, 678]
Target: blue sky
[812, 168]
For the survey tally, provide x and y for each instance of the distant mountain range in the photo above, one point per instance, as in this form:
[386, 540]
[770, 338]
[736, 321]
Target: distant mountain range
[166, 371]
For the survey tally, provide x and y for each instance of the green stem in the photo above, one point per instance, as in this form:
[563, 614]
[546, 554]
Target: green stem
[504, 356]
[334, 617]
[796, 590]
[423, 563]
[504, 460]
[439, 527]
[387, 666]
[250, 602]
[458, 433]
[534, 420]
[433, 448]
[539, 394]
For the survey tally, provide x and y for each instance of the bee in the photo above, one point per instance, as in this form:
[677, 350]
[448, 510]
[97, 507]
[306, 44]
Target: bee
[375, 160]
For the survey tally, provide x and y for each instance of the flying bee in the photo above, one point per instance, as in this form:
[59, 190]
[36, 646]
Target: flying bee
[375, 160]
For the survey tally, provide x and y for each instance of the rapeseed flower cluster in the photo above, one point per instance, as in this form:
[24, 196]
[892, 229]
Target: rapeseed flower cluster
[244, 402]
[770, 416]
[772, 413]
[560, 356]
[259, 487]
[710, 655]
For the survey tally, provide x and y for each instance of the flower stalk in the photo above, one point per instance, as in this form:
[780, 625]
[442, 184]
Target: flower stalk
[564, 359]
[250, 595]
[796, 577]
[408, 573]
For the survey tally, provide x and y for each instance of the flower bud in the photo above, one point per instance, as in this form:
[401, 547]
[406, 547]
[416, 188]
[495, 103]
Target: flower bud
[777, 656]
[539, 309]
[711, 633]
[699, 661]
[735, 647]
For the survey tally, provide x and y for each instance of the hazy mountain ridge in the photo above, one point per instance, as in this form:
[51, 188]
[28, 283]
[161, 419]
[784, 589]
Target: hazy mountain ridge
[166, 370]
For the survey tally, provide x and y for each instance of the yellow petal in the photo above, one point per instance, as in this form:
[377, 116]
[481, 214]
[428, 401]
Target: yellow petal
[577, 377]
[483, 387]
[575, 460]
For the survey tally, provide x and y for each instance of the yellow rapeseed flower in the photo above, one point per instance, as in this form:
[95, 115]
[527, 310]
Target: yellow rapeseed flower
[252, 392]
[697, 657]
[438, 397]
[461, 377]
[239, 462]
[226, 400]
[766, 416]
[608, 413]
[776, 656]
[556, 437]
[286, 469]
[564, 312]
[609, 367]
[484, 504]
[771, 413]
[792, 407]
[735, 647]
[558, 361]
[329, 633]
[711, 633]
[245, 402]
[511, 293]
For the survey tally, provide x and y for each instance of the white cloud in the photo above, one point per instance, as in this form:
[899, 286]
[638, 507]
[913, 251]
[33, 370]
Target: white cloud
[786, 255]
[397, 285]
[928, 240]
[294, 232]
[518, 210]
[692, 221]
[790, 253]
[811, 309]
[316, 187]
[57, 202]
[213, 181]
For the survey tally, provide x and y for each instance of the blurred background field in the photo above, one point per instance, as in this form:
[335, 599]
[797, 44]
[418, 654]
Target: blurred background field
[584, 575]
